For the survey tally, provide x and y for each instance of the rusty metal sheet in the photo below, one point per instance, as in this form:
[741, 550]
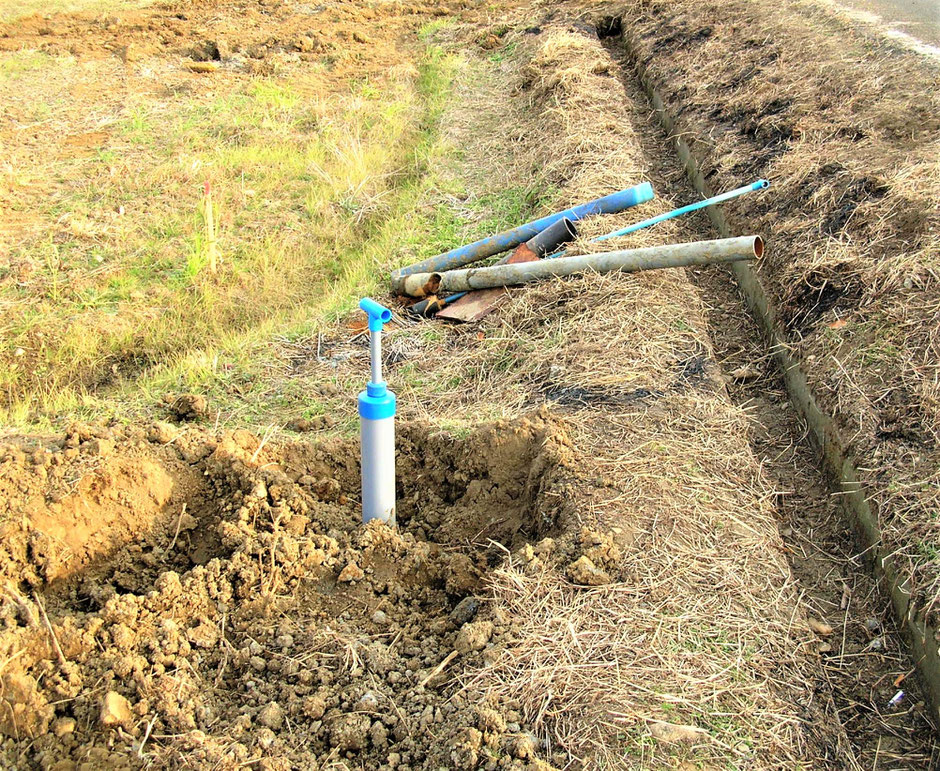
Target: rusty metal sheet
[473, 306]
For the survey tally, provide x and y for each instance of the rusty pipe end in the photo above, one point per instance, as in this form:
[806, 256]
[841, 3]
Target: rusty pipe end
[758, 246]
[420, 284]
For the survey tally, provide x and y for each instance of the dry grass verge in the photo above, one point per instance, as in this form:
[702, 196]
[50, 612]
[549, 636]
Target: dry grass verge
[844, 124]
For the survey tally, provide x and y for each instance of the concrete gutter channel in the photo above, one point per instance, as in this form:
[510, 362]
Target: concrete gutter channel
[922, 636]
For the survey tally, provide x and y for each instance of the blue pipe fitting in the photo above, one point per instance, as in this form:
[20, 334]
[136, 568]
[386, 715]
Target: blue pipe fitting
[376, 402]
[378, 314]
[761, 184]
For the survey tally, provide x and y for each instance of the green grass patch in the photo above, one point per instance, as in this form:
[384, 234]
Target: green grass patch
[313, 199]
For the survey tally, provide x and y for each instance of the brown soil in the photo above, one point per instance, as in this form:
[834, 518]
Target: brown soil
[227, 591]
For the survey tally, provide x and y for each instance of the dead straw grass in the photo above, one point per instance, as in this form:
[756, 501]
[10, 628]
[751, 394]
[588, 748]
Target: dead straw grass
[845, 125]
[702, 626]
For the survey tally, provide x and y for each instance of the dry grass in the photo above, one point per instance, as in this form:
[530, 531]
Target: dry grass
[17, 9]
[703, 626]
[845, 126]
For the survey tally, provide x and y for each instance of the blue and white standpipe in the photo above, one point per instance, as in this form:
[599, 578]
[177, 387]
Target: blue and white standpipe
[377, 415]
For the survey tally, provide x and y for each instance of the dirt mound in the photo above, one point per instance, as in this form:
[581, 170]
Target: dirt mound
[218, 603]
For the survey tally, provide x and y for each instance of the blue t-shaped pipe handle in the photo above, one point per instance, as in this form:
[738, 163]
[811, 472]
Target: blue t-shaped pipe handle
[378, 314]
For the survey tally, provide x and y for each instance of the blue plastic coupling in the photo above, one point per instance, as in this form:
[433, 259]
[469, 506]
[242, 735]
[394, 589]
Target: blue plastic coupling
[643, 193]
[378, 314]
[376, 402]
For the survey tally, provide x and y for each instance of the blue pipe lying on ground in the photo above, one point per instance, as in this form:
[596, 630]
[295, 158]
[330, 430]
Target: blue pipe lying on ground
[759, 185]
[463, 255]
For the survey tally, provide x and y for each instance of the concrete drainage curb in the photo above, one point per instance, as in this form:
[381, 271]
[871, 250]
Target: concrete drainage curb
[922, 636]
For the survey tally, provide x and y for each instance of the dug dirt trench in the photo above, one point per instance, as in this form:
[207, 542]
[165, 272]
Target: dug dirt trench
[222, 574]
[866, 662]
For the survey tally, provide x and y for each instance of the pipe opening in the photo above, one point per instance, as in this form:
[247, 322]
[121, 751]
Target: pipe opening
[758, 246]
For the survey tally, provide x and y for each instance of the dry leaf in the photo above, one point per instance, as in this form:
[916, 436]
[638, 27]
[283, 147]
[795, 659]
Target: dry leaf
[745, 373]
[201, 66]
[820, 628]
[670, 732]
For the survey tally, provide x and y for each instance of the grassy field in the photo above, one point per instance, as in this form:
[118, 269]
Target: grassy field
[313, 189]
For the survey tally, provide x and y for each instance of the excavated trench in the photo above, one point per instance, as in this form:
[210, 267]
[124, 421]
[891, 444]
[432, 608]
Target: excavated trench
[823, 517]
[226, 574]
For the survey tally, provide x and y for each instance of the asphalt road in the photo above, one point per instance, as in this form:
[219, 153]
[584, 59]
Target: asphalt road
[918, 18]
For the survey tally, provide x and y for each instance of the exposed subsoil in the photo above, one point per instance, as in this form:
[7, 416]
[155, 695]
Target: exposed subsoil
[865, 659]
[180, 586]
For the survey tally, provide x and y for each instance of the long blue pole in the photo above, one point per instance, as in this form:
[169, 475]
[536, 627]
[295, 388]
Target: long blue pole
[609, 204]
[759, 185]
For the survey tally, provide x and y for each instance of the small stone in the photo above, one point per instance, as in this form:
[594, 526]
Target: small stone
[271, 715]
[115, 710]
[819, 627]
[672, 733]
[352, 572]
[368, 703]
[474, 637]
[63, 726]
[583, 571]
[379, 618]
[872, 624]
[465, 611]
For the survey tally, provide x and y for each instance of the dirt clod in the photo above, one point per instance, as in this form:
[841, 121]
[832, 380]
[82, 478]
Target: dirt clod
[115, 710]
[24, 711]
[184, 407]
[352, 572]
[272, 716]
[474, 636]
[583, 571]
[350, 732]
